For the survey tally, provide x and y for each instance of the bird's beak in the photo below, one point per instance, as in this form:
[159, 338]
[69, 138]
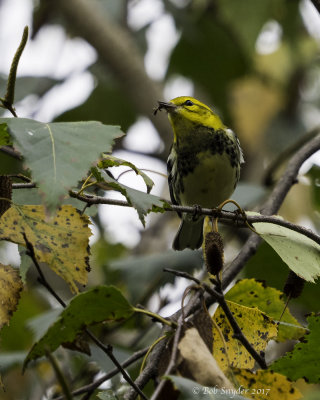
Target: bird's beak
[162, 105]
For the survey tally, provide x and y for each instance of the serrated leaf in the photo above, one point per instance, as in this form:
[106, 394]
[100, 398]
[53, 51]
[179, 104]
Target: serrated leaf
[256, 326]
[300, 253]
[60, 154]
[111, 161]
[141, 201]
[304, 360]
[265, 385]
[61, 243]
[251, 293]
[96, 305]
[10, 288]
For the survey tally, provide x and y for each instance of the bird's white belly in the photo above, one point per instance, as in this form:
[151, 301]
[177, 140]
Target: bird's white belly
[212, 181]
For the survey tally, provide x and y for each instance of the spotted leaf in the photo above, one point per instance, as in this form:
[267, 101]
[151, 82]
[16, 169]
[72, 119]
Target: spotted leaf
[265, 385]
[10, 287]
[96, 305]
[251, 293]
[256, 326]
[60, 242]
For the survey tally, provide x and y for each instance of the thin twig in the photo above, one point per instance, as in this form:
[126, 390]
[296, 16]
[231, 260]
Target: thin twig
[11, 152]
[222, 215]
[30, 185]
[182, 274]
[107, 349]
[219, 297]
[59, 375]
[288, 152]
[41, 279]
[172, 363]
[94, 385]
[150, 370]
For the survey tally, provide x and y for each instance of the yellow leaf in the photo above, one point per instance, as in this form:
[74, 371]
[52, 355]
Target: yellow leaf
[265, 385]
[256, 326]
[10, 287]
[61, 243]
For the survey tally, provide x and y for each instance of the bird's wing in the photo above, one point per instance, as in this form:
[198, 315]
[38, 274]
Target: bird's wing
[171, 168]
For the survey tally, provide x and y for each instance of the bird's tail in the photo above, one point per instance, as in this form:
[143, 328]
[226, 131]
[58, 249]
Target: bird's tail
[189, 235]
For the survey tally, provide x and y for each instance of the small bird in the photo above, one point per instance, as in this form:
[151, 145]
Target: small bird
[203, 164]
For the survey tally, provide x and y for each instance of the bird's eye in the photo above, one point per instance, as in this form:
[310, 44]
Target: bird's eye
[188, 103]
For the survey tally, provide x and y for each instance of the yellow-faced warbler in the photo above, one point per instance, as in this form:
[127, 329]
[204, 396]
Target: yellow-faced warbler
[203, 164]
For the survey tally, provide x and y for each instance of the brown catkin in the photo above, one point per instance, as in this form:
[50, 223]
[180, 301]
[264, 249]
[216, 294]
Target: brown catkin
[293, 286]
[214, 252]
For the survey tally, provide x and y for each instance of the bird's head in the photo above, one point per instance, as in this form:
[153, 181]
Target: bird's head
[185, 111]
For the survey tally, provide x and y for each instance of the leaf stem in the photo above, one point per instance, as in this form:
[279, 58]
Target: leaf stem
[154, 316]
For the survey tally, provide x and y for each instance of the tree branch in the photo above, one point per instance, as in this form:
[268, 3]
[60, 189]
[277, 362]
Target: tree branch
[316, 3]
[271, 206]
[172, 362]
[217, 294]
[223, 216]
[219, 297]
[94, 385]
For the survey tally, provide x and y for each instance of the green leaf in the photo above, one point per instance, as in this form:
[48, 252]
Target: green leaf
[111, 161]
[141, 201]
[266, 265]
[60, 154]
[304, 360]
[300, 253]
[190, 389]
[5, 139]
[96, 305]
[250, 293]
